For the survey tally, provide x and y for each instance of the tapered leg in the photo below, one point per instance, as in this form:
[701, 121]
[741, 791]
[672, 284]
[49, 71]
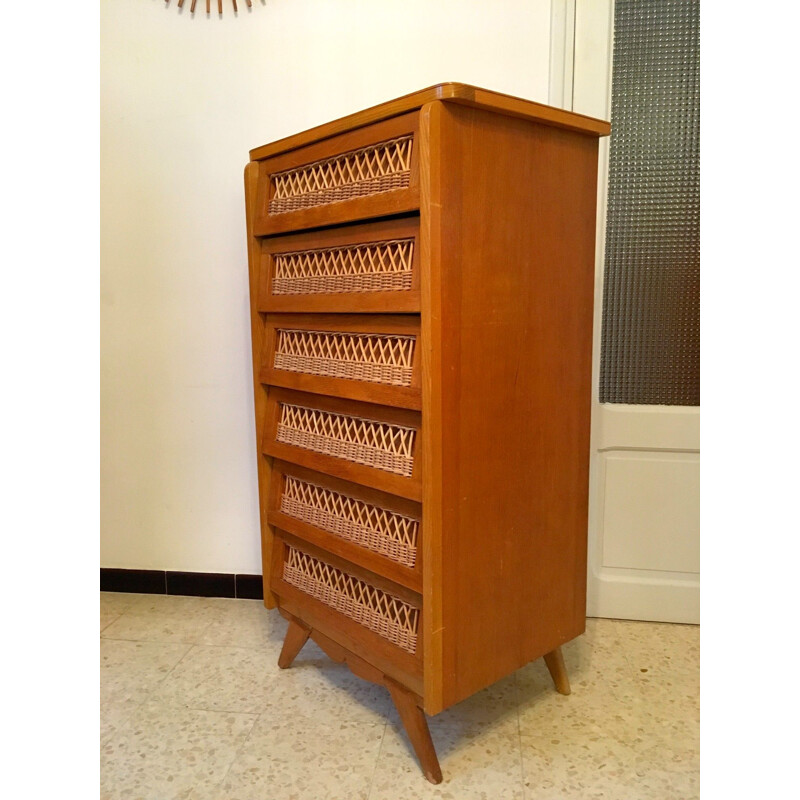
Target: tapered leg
[296, 636]
[558, 672]
[416, 725]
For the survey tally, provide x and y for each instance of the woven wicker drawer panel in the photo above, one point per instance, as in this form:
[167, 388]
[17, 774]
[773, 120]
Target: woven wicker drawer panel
[369, 267]
[384, 614]
[382, 445]
[375, 358]
[376, 169]
[386, 532]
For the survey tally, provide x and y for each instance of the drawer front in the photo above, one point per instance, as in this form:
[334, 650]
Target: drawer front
[375, 530]
[369, 358]
[364, 443]
[369, 172]
[390, 617]
[370, 267]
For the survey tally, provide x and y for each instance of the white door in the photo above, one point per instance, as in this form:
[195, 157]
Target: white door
[644, 480]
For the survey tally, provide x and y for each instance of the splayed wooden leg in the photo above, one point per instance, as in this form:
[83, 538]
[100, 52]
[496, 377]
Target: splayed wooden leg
[296, 636]
[558, 671]
[416, 725]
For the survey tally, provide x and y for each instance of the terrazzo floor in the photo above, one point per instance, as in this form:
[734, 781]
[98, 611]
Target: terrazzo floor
[193, 706]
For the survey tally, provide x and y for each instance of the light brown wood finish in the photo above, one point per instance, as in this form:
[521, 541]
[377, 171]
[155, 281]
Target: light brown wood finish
[413, 718]
[558, 670]
[375, 205]
[410, 577]
[516, 261]
[259, 390]
[296, 636]
[447, 92]
[343, 302]
[410, 487]
[404, 667]
[432, 368]
[363, 573]
[501, 305]
[366, 391]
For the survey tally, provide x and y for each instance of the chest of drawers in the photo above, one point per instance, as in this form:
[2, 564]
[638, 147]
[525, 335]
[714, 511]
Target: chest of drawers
[421, 282]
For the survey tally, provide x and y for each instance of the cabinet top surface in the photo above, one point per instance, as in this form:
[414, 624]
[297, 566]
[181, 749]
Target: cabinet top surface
[447, 92]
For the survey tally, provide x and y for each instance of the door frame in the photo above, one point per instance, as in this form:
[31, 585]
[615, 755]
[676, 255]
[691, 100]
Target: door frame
[666, 437]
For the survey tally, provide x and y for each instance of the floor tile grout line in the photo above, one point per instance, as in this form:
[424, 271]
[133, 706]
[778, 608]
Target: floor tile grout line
[377, 760]
[238, 752]
[148, 694]
[252, 648]
[110, 622]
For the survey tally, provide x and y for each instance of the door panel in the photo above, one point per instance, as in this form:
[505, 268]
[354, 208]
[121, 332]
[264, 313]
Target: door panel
[644, 477]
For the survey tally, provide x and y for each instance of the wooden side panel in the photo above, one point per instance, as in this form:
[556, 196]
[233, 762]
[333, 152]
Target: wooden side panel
[260, 391]
[516, 254]
[430, 238]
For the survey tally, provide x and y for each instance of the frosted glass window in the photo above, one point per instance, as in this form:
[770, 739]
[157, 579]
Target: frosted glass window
[650, 352]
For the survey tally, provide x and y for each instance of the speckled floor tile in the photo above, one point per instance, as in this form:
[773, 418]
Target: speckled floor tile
[630, 728]
[112, 606]
[657, 778]
[479, 767]
[322, 691]
[477, 741]
[236, 679]
[117, 602]
[281, 760]
[164, 753]
[245, 623]
[591, 768]
[490, 711]
[660, 650]
[129, 672]
[596, 667]
[164, 618]
[106, 620]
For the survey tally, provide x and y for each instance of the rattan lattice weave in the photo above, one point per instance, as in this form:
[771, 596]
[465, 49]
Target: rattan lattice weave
[373, 267]
[373, 608]
[386, 532]
[375, 358]
[375, 444]
[371, 170]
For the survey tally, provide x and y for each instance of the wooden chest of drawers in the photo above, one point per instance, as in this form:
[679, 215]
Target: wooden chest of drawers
[421, 280]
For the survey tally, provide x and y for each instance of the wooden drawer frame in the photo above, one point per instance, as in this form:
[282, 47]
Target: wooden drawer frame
[410, 577]
[405, 228]
[366, 391]
[408, 487]
[394, 661]
[384, 203]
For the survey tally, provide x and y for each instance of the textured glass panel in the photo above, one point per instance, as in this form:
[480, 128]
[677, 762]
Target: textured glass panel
[651, 303]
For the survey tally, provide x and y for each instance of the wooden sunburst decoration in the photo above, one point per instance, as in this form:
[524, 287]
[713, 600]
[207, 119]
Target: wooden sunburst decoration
[208, 5]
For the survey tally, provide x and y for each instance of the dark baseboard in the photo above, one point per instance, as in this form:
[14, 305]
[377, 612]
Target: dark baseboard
[195, 584]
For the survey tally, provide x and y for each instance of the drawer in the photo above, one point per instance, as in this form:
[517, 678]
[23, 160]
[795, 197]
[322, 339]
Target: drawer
[370, 267]
[383, 617]
[373, 445]
[364, 357]
[375, 530]
[370, 172]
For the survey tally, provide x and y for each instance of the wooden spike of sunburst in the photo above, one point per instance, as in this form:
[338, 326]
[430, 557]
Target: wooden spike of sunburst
[208, 5]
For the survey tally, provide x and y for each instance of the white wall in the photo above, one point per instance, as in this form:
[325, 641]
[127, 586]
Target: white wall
[183, 100]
